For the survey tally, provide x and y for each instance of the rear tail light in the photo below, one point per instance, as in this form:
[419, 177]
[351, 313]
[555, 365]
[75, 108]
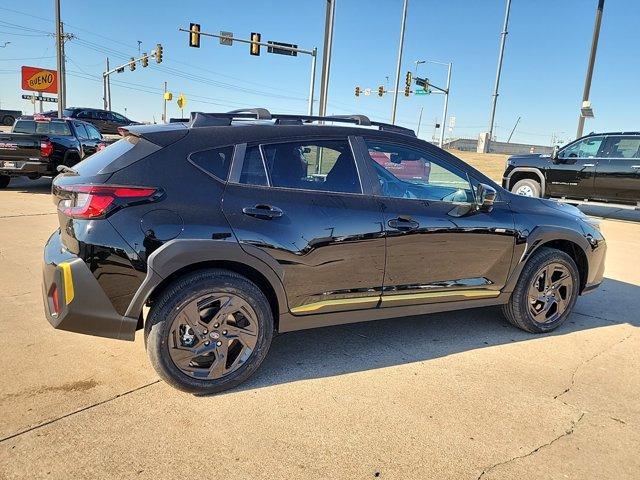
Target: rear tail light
[46, 147]
[96, 201]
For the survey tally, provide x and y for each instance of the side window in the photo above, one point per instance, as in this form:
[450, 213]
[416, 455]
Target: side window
[587, 148]
[406, 172]
[94, 134]
[215, 161]
[81, 131]
[24, 126]
[253, 172]
[84, 114]
[326, 165]
[623, 147]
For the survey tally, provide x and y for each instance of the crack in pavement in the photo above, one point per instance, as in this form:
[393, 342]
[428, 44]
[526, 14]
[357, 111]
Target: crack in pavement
[27, 215]
[596, 317]
[83, 409]
[577, 369]
[574, 424]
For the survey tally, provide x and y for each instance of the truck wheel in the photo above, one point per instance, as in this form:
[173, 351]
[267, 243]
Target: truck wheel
[527, 188]
[8, 120]
[209, 331]
[545, 293]
[4, 181]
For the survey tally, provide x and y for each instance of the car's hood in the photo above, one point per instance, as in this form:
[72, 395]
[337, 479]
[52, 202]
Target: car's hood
[522, 203]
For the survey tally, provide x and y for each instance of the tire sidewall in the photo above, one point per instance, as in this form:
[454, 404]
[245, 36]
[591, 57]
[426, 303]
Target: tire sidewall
[161, 319]
[545, 257]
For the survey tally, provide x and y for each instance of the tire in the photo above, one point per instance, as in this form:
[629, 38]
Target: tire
[4, 181]
[527, 187]
[164, 340]
[8, 120]
[519, 309]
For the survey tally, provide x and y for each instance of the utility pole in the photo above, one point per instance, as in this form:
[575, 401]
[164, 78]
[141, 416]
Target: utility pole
[446, 104]
[503, 40]
[326, 55]
[399, 66]
[59, 59]
[106, 87]
[62, 86]
[164, 109]
[592, 61]
[513, 129]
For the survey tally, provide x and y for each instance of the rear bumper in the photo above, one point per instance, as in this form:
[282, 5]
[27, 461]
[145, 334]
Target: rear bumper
[27, 167]
[73, 299]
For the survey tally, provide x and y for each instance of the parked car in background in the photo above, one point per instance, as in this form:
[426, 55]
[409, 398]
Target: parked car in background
[214, 235]
[7, 117]
[105, 120]
[597, 167]
[36, 146]
[417, 171]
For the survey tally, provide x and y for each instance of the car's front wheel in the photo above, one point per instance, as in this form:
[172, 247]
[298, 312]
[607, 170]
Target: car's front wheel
[209, 331]
[527, 187]
[545, 293]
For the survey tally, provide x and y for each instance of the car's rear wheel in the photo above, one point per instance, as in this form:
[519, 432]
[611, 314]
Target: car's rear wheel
[545, 293]
[527, 187]
[8, 120]
[4, 181]
[209, 331]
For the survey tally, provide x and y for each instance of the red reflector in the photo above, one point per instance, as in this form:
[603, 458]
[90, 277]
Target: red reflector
[92, 201]
[55, 300]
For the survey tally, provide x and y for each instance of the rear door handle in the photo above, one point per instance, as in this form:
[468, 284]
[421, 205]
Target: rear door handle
[589, 165]
[404, 224]
[263, 212]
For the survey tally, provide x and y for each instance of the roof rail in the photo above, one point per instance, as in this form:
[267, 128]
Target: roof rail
[200, 119]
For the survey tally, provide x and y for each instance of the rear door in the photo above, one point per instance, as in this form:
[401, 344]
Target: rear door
[618, 175]
[87, 146]
[573, 173]
[302, 203]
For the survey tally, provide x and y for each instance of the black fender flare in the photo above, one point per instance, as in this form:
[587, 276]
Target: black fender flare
[537, 238]
[179, 253]
[543, 182]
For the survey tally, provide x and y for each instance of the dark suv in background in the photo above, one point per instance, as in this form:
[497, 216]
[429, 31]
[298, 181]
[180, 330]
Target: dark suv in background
[597, 167]
[213, 235]
[105, 120]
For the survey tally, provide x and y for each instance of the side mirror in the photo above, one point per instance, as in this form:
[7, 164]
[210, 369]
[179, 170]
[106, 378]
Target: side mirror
[554, 154]
[485, 197]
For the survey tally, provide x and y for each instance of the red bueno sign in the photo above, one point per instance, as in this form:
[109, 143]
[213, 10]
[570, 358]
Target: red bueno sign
[35, 79]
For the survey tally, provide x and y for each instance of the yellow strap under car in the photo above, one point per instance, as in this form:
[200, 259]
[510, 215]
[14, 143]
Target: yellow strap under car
[68, 282]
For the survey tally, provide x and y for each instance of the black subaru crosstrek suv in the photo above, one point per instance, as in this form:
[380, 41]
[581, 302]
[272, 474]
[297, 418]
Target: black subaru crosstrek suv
[600, 167]
[216, 234]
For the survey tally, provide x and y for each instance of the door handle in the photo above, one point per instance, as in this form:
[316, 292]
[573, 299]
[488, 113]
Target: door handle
[404, 224]
[589, 165]
[263, 212]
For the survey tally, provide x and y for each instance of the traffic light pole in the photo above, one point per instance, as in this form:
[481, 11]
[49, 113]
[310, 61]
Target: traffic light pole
[164, 108]
[399, 66]
[312, 83]
[446, 104]
[108, 71]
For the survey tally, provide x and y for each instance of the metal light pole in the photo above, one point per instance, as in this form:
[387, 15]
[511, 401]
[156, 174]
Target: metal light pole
[106, 87]
[592, 61]
[399, 66]
[164, 108]
[326, 55]
[59, 58]
[500, 56]
[446, 104]
[312, 83]
[419, 122]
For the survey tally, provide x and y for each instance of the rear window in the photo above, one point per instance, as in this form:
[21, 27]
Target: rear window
[43, 128]
[214, 161]
[116, 156]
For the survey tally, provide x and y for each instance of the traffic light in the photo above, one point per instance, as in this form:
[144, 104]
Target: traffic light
[407, 81]
[407, 91]
[381, 90]
[194, 35]
[168, 96]
[254, 47]
[182, 101]
[358, 91]
[158, 53]
[120, 70]
[132, 64]
[145, 60]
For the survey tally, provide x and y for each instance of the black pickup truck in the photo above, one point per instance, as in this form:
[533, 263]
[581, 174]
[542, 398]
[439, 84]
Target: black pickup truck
[37, 146]
[601, 167]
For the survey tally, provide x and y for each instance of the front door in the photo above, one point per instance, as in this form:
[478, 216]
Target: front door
[573, 173]
[302, 203]
[439, 247]
[618, 175]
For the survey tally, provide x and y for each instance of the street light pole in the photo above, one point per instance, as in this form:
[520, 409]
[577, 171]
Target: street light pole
[326, 56]
[312, 83]
[399, 66]
[500, 57]
[59, 58]
[592, 61]
[446, 104]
